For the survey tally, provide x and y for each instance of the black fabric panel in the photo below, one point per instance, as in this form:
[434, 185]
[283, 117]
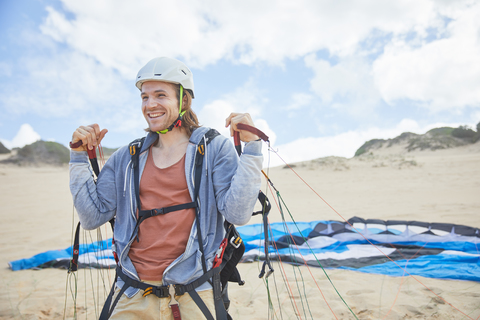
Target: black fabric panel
[401, 253]
[466, 231]
[375, 221]
[442, 226]
[419, 224]
[356, 220]
[286, 241]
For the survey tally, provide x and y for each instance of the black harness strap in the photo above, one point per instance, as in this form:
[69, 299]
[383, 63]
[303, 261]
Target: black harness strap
[108, 306]
[144, 214]
[135, 149]
[201, 304]
[198, 178]
[261, 196]
[76, 246]
[162, 291]
[159, 291]
[220, 312]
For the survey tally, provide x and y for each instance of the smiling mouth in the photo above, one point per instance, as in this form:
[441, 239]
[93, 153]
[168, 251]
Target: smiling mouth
[155, 115]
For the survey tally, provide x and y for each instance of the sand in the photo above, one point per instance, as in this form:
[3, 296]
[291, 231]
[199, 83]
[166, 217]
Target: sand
[431, 186]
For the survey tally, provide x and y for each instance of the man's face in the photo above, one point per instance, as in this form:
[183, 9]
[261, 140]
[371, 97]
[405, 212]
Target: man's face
[159, 104]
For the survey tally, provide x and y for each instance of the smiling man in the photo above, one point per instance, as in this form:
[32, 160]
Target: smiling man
[187, 180]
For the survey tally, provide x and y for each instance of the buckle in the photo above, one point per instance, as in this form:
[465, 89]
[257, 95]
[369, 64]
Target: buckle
[161, 292]
[179, 289]
[133, 148]
[156, 212]
[171, 291]
[201, 149]
[219, 254]
[236, 241]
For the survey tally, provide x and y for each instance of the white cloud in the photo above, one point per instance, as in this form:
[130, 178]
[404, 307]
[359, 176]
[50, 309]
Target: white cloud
[441, 74]
[213, 115]
[245, 99]
[125, 34]
[299, 100]
[349, 81]
[25, 135]
[122, 36]
[359, 52]
[65, 84]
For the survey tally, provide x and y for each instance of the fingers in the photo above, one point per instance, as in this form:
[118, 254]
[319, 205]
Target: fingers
[102, 135]
[235, 118]
[91, 136]
[228, 122]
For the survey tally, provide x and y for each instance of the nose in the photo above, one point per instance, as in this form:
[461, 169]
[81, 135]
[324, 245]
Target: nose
[150, 103]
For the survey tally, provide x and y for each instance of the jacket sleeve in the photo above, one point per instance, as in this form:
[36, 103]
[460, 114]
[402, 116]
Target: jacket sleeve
[95, 202]
[237, 181]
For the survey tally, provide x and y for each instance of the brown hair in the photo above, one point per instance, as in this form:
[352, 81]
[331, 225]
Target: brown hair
[189, 120]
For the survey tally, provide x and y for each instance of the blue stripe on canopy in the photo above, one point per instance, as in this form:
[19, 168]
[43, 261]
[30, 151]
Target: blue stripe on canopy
[436, 250]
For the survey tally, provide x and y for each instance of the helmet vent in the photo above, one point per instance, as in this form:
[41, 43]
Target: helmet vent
[158, 74]
[184, 72]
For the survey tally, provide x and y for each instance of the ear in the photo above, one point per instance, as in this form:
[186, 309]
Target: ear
[185, 100]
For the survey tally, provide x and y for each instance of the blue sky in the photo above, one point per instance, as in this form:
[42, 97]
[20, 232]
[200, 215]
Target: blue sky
[319, 77]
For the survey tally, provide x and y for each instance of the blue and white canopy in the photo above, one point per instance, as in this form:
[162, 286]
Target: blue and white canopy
[436, 250]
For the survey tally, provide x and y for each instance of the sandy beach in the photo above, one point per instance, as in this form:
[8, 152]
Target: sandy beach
[431, 186]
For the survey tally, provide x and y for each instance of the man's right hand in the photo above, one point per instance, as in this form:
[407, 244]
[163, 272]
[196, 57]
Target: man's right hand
[90, 135]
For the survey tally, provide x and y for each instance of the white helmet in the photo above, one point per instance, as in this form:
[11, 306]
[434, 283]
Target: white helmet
[168, 70]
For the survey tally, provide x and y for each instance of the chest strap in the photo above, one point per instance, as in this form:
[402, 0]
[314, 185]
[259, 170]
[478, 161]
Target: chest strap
[145, 214]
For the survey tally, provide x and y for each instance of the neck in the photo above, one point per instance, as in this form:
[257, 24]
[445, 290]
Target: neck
[172, 139]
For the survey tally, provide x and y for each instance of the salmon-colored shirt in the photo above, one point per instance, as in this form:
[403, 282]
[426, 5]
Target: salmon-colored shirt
[163, 238]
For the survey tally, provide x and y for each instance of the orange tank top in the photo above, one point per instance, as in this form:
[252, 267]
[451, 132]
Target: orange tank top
[163, 238]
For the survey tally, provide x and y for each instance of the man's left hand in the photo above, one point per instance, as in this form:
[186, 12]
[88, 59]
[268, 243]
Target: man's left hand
[236, 118]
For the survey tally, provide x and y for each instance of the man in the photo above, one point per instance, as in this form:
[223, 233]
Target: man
[174, 248]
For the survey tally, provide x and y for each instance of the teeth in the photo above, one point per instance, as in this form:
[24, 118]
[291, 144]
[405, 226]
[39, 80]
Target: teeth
[155, 115]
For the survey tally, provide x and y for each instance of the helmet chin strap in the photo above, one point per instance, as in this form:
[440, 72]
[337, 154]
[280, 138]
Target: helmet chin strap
[177, 123]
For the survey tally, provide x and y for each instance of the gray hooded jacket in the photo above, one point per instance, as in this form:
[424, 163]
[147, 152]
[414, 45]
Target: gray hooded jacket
[228, 190]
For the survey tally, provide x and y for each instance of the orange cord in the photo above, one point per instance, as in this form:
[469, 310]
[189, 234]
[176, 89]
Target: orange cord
[370, 241]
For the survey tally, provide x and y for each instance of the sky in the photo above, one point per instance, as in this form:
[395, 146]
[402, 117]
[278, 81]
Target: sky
[318, 77]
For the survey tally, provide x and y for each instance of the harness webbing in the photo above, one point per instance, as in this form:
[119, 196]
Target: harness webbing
[227, 267]
[159, 291]
[163, 291]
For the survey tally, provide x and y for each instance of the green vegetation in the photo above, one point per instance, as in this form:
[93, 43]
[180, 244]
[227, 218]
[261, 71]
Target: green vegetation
[406, 136]
[438, 138]
[463, 132]
[3, 149]
[377, 143]
[477, 135]
[444, 131]
[41, 152]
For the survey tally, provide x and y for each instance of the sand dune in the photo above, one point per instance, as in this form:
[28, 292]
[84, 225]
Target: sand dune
[432, 186]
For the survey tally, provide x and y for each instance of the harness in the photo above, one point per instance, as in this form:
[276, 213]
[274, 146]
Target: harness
[227, 257]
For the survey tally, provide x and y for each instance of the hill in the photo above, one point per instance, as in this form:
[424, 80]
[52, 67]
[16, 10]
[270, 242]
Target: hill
[40, 153]
[3, 149]
[435, 139]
